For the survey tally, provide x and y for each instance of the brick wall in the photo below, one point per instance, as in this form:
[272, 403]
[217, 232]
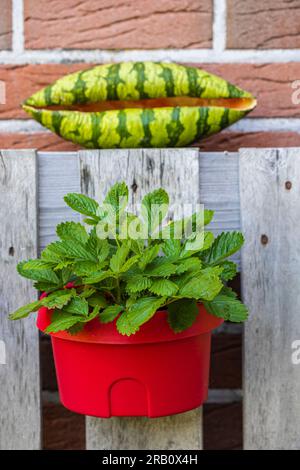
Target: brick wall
[254, 44]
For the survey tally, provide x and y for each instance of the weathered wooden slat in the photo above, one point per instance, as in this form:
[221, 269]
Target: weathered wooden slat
[270, 213]
[19, 376]
[178, 172]
[171, 433]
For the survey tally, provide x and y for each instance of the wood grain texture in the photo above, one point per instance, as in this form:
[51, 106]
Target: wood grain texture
[19, 377]
[183, 431]
[144, 170]
[271, 288]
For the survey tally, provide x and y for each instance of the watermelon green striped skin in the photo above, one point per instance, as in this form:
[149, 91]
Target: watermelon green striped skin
[135, 127]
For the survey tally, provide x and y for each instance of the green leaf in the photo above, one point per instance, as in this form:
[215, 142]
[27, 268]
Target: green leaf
[87, 292]
[227, 307]
[35, 264]
[90, 221]
[229, 270]
[119, 258]
[58, 299]
[228, 292]
[97, 299]
[97, 276]
[136, 230]
[163, 287]
[72, 231]
[65, 263]
[74, 249]
[93, 314]
[53, 254]
[82, 204]
[161, 268]
[129, 263]
[24, 311]
[138, 314]
[172, 247]
[117, 197]
[183, 228]
[45, 286]
[110, 313]
[77, 306]
[138, 283]
[149, 254]
[63, 322]
[225, 245]
[182, 314]
[75, 329]
[188, 264]
[98, 247]
[30, 270]
[201, 242]
[85, 268]
[208, 215]
[154, 208]
[137, 246]
[125, 326]
[205, 285]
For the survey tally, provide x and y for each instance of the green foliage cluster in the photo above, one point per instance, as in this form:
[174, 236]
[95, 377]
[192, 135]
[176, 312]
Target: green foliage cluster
[88, 276]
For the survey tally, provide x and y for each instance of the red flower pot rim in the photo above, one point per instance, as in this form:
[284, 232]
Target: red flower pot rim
[155, 330]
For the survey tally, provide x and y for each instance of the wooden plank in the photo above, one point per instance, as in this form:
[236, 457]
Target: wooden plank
[181, 431]
[19, 376]
[177, 170]
[271, 288]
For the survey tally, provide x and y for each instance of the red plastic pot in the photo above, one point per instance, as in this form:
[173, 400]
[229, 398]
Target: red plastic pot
[152, 373]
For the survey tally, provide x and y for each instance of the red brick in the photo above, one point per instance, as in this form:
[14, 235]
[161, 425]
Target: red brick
[272, 24]
[40, 141]
[233, 141]
[225, 141]
[115, 24]
[23, 81]
[62, 429]
[270, 83]
[222, 427]
[6, 24]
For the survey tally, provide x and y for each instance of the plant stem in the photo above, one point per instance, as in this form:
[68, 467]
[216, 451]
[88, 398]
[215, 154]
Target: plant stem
[118, 291]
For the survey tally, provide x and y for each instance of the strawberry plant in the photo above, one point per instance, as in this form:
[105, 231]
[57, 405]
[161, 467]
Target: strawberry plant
[120, 266]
